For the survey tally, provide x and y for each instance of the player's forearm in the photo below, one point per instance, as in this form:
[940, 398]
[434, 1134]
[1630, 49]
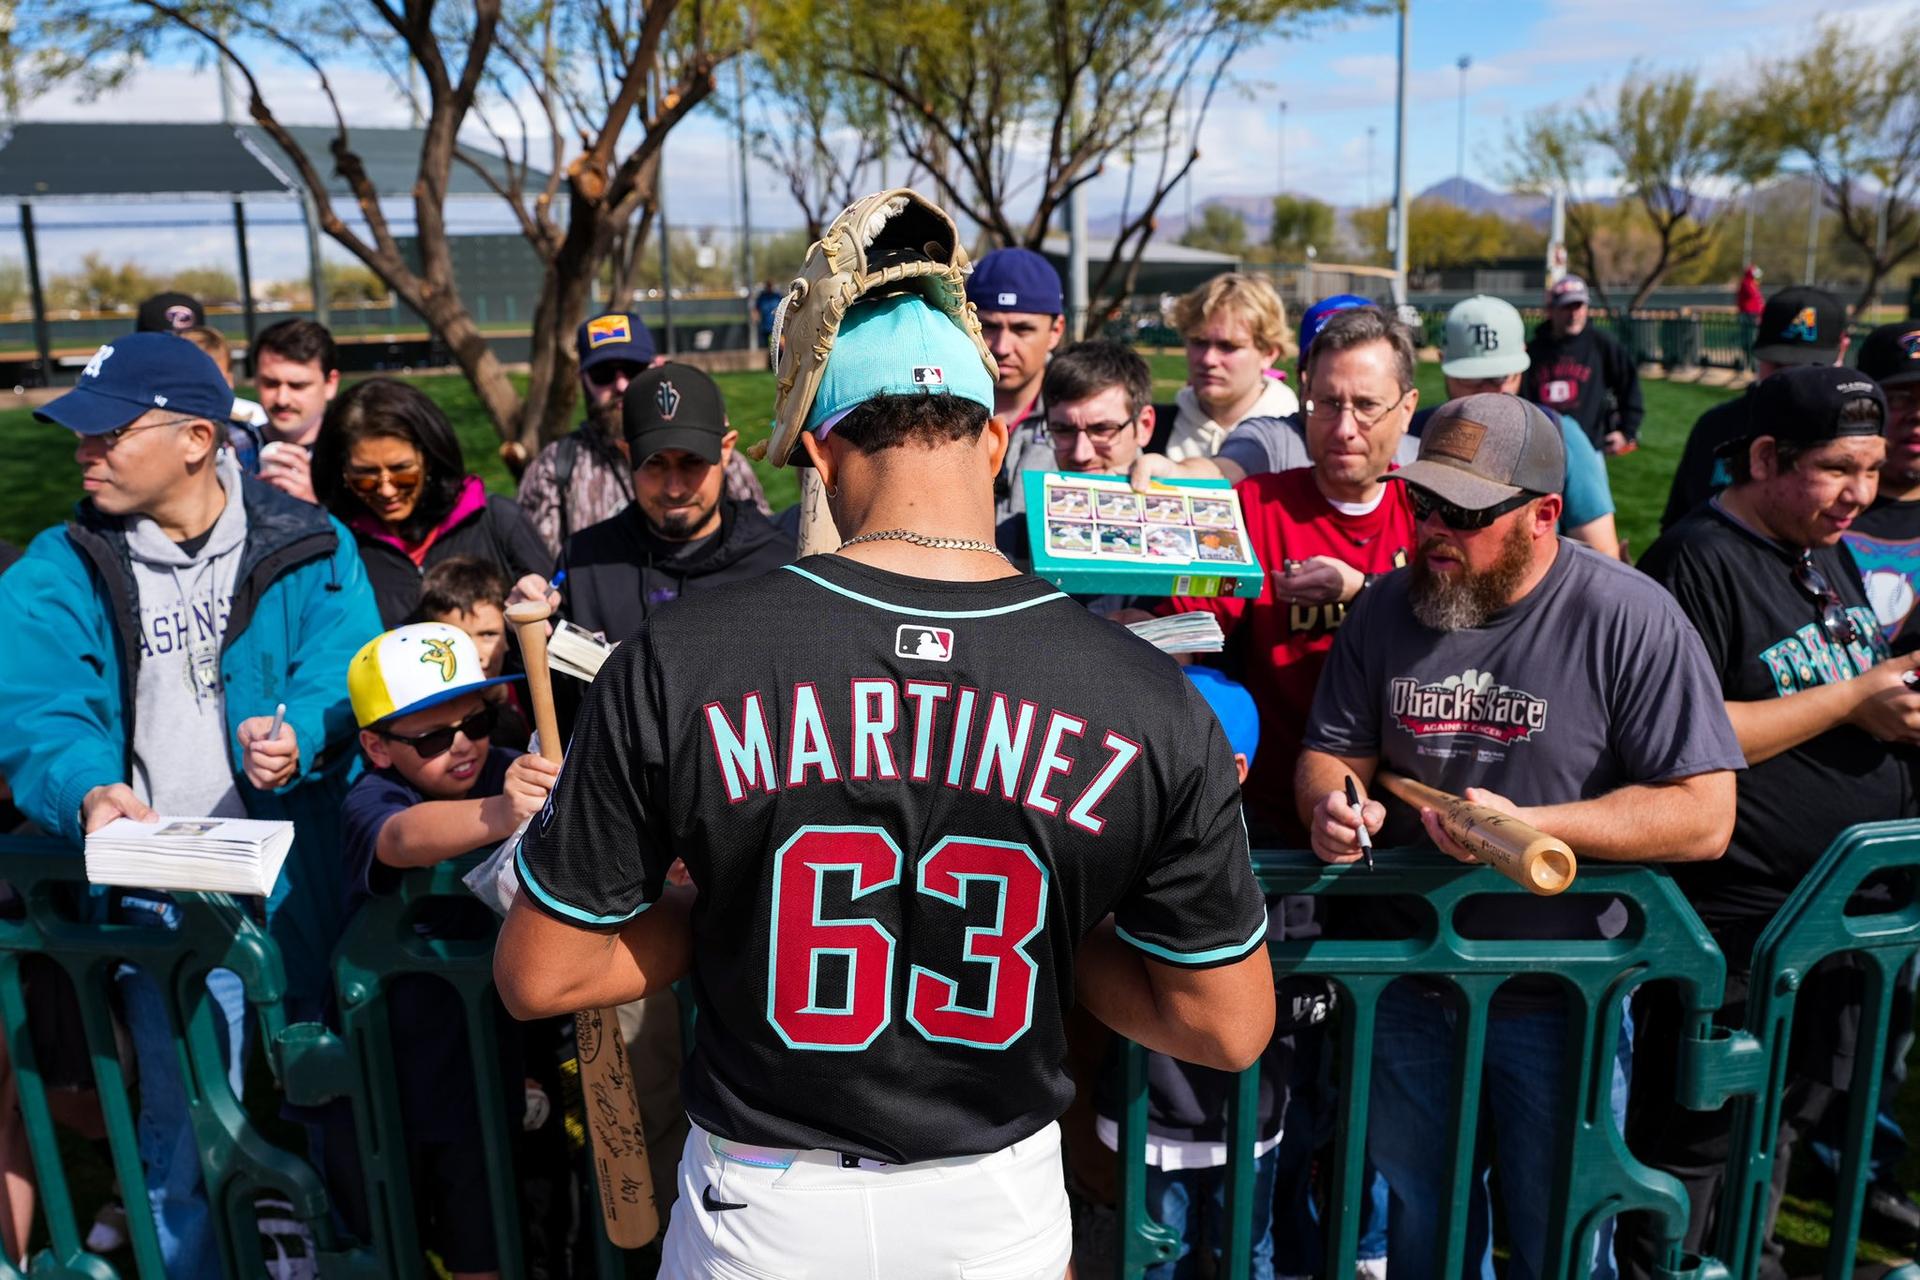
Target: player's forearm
[1220, 1018]
[1686, 820]
[543, 967]
[434, 830]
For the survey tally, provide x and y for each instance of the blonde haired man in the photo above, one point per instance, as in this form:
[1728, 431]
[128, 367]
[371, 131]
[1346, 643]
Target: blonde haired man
[1235, 329]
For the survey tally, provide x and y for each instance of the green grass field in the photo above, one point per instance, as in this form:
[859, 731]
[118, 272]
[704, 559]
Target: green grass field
[38, 484]
[38, 487]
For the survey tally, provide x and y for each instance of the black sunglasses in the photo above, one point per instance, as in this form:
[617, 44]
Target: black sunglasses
[1834, 619]
[477, 726]
[607, 372]
[1461, 518]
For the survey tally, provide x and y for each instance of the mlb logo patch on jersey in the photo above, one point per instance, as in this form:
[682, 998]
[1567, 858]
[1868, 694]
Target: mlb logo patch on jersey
[605, 331]
[928, 375]
[931, 644]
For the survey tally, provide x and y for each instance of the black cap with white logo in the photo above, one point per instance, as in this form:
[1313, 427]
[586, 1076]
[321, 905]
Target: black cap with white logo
[1804, 405]
[673, 406]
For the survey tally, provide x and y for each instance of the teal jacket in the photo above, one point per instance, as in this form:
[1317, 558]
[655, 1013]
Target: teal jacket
[69, 654]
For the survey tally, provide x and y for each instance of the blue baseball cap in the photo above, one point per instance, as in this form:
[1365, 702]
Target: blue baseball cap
[1232, 705]
[898, 345]
[1015, 280]
[615, 335]
[138, 372]
[1315, 317]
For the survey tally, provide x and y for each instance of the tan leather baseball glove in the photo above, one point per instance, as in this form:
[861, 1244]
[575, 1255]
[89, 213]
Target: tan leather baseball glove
[889, 242]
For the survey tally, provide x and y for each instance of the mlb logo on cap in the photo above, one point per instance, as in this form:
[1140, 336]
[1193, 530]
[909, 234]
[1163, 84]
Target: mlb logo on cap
[602, 330]
[928, 375]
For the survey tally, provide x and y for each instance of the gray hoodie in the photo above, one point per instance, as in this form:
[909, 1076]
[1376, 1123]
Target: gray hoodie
[182, 763]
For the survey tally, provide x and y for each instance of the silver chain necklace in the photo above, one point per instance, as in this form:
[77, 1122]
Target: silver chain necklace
[922, 540]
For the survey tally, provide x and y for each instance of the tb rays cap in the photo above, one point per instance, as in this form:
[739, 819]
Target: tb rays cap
[1315, 317]
[1891, 354]
[169, 313]
[1485, 339]
[675, 406]
[1232, 706]
[411, 668]
[141, 371]
[897, 346]
[1478, 451]
[1015, 279]
[613, 336]
[1804, 405]
[1801, 325]
[1567, 291]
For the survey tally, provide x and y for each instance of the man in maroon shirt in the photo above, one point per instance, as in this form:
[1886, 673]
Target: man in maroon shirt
[1321, 531]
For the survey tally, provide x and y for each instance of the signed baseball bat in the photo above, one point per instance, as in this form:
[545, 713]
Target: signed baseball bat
[627, 1205]
[818, 535]
[1524, 854]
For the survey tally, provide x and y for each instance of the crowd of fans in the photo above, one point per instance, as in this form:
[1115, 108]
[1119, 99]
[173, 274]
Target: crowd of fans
[325, 546]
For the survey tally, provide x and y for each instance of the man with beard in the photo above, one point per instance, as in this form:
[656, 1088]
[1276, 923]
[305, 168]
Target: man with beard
[586, 477]
[1816, 701]
[1457, 671]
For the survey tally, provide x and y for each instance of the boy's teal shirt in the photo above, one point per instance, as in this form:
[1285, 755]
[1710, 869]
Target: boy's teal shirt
[302, 607]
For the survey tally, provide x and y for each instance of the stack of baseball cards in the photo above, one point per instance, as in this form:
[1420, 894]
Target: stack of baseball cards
[1094, 535]
[210, 855]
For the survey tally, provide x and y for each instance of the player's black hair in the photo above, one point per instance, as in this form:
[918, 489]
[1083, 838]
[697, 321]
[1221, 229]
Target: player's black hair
[385, 407]
[1859, 410]
[1087, 368]
[1355, 327]
[456, 585]
[301, 341]
[889, 421]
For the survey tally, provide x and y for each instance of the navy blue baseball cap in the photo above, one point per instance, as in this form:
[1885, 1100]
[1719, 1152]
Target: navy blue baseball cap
[141, 371]
[616, 335]
[1015, 280]
[1315, 317]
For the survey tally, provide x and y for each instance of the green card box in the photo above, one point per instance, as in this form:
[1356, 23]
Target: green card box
[1093, 535]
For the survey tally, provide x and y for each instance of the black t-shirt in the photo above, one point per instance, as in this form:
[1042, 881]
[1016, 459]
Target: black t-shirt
[1588, 377]
[1702, 472]
[1885, 542]
[1764, 637]
[905, 803]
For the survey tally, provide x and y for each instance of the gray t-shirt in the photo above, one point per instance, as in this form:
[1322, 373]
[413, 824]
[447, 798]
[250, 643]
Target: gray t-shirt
[1595, 680]
[1260, 445]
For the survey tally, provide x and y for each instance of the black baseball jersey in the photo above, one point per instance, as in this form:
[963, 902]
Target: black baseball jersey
[904, 802]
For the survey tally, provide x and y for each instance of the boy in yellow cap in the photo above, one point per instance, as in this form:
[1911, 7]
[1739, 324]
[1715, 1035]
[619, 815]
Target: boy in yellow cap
[438, 790]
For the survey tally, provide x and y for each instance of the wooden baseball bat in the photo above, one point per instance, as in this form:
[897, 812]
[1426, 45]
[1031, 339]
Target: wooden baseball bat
[1525, 854]
[627, 1205]
[818, 534]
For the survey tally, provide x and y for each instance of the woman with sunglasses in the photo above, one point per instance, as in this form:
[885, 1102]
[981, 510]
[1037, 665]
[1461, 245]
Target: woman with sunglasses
[388, 465]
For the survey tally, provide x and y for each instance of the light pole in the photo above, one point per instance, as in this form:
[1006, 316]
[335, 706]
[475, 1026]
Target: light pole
[1401, 197]
[1370, 132]
[1283, 148]
[1460, 146]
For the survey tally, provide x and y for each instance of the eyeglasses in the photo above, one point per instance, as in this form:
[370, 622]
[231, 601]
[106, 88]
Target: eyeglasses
[1097, 432]
[1462, 519]
[1834, 619]
[476, 727]
[609, 372]
[1365, 412]
[115, 436]
[364, 480]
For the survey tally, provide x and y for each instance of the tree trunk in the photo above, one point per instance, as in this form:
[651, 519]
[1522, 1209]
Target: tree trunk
[449, 319]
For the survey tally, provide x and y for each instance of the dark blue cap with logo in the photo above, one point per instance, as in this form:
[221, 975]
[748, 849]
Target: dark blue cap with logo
[1315, 317]
[615, 335]
[138, 372]
[1015, 280]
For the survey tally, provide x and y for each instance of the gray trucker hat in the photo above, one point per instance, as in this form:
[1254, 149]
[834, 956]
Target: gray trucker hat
[1478, 451]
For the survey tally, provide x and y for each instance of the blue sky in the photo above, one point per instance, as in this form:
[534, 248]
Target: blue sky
[1337, 79]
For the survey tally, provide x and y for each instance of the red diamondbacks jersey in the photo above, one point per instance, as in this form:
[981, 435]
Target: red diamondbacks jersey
[1285, 647]
[905, 803]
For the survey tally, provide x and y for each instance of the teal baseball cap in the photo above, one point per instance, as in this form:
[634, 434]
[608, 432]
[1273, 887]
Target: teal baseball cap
[898, 345]
[1485, 339]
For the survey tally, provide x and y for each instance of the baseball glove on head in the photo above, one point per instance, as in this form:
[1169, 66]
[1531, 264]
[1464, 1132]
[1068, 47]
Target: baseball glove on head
[889, 242]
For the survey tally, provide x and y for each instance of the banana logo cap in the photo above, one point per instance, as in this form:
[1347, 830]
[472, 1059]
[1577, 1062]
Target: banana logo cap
[412, 668]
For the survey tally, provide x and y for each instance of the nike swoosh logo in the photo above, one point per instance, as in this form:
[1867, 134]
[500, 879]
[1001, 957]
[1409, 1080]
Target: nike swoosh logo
[716, 1206]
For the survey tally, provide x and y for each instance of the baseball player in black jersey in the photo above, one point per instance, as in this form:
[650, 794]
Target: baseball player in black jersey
[926, 800]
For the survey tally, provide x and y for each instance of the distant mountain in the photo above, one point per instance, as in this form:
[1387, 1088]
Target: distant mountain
[1471, 196]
